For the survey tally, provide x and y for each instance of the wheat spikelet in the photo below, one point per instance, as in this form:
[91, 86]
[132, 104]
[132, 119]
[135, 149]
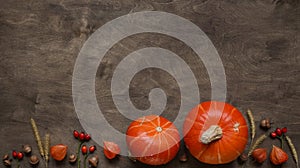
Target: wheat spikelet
[46, 148]
[257, 142]
[293, 149]
[252, 124]
[37, 137]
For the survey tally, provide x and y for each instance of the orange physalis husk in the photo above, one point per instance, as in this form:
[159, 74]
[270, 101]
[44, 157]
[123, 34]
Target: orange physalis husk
[111, 150]
[59, 152]
[260, 155]
[278, 156]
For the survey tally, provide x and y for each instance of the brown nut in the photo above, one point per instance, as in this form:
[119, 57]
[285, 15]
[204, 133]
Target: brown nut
[7, 163]
[5, 157]
[34, 160]
[93, 161]
[27, 149]
[72, 158]
[265, 123]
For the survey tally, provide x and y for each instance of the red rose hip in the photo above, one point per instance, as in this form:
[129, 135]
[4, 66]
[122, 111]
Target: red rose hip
[75, 134]
[273, 134]
[87, 137]
[278, 131]
[81, 136]
[20, 155]
[284, 130]
[92, 149]
[14, 154]
[84, 149]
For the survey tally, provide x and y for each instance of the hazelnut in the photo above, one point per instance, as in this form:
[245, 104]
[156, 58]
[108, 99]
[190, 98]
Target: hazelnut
[27, 149]
[34, 160]
[7, 163]
[265, 123]
[72, 158]
[93, 161]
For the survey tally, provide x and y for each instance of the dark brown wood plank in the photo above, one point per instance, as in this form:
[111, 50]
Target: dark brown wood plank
[258, 42]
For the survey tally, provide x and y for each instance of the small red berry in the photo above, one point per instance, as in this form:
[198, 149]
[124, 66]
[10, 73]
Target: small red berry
[87, 137]
[92, 149]
[20, 155]
[76, 134]
[284, 130]
[273, 134]
[278, 131]
[14, 154]
[81, 136]
[84, 149]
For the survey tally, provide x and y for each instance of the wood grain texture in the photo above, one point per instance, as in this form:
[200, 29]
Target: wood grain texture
[258, 42]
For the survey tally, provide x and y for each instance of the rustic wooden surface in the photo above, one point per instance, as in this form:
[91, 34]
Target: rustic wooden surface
[258, 42]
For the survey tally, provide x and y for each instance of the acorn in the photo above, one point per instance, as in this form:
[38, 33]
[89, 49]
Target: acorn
[72, 158]
[93, 161]
[7, 163]
[27, 149]
[34, 160]
[5, 157]
[265, 123]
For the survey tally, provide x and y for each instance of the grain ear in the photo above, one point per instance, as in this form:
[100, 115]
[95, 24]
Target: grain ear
[37, 137]
[293, 149]
[252, 124]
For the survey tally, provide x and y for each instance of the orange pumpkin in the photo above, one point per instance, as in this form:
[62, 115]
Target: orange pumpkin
[215, 132]
[153, 140]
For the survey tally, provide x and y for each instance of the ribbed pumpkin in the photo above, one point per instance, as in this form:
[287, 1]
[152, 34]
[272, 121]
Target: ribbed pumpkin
[215, 132]
[153, 140]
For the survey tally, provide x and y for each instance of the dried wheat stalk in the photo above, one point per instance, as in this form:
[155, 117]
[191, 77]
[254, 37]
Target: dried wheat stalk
[37, 137]
[46, 148]
[293, 149]
[257, 142]
[252, 124]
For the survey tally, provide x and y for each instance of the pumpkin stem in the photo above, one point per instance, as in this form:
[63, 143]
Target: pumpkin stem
[213, 133]
[158, 129]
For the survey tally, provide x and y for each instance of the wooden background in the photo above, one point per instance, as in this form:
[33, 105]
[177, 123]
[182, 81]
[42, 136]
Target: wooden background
[257, 40]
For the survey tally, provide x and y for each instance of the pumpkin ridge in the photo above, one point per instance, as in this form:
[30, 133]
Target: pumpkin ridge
[165, 124]
[201, 152]
[139, 136]
[219, 154]
[232, 146]
[151, 121]
[167, 145]
[171, 138]
[138, 125]
[148, 146]
[201, 108]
